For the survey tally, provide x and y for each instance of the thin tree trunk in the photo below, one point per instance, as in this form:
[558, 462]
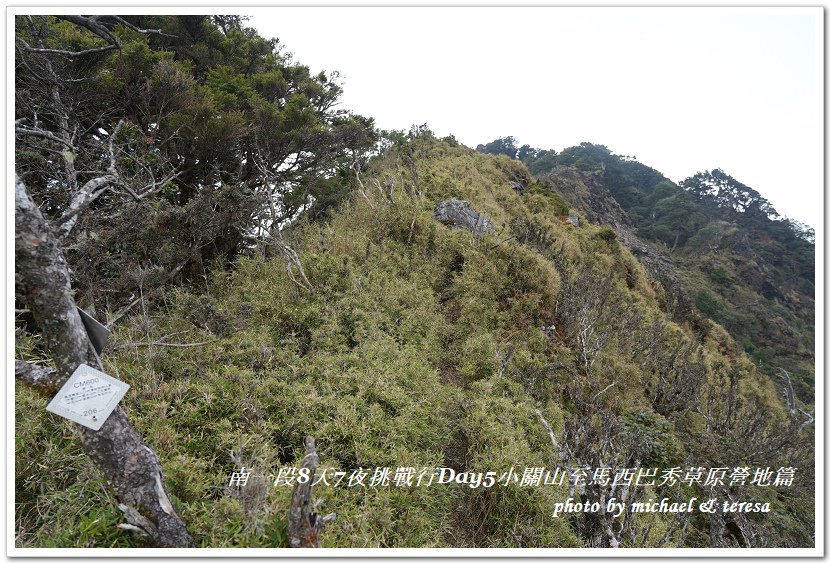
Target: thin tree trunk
[131, 468]
[676, 239]
[304, 523]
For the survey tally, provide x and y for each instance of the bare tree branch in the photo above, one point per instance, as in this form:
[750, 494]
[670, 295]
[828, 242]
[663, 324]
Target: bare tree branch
[121, 20]
[789, 394]
[70, 54]
[810, 418]
[553, 439]
[598, 393]
[361, 188]
[23, 130]
[164, 344]
[85, 196]
[505, 361]
[93, 24]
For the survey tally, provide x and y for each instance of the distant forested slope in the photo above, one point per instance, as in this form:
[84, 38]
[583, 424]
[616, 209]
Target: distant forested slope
[741, 263]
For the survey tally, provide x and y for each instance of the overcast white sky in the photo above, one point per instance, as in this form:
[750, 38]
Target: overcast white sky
[682, 89]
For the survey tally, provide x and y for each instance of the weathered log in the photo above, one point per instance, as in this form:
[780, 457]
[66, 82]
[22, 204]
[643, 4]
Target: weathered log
[456, 213]
[304, 523]
[131, 468]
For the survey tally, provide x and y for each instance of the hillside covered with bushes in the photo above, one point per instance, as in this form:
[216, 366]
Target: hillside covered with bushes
[271, 268]
[741, 263]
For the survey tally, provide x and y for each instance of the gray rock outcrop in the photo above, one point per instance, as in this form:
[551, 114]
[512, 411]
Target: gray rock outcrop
[458, 214]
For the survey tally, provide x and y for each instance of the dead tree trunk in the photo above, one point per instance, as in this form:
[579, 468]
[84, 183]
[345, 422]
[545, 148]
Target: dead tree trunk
[131, 468]
[304, 523]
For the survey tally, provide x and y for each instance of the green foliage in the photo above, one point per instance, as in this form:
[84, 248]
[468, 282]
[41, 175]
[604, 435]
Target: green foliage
[219, 136]
[718, 189]
[539, 161]
[708, 304]
[505, 146]
[606, 233]
[663, 447]
[720, 276]
[547, 199]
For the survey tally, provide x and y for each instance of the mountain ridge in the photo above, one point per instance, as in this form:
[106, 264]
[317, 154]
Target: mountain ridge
[719, 230]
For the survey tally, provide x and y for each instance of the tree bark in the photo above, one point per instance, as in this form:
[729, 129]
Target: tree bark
[131, 468]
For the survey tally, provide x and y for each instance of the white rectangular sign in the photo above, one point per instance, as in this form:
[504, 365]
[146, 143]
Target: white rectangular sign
[88, 397]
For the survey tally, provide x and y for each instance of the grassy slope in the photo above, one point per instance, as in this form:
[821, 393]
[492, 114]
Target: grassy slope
[392, 360]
